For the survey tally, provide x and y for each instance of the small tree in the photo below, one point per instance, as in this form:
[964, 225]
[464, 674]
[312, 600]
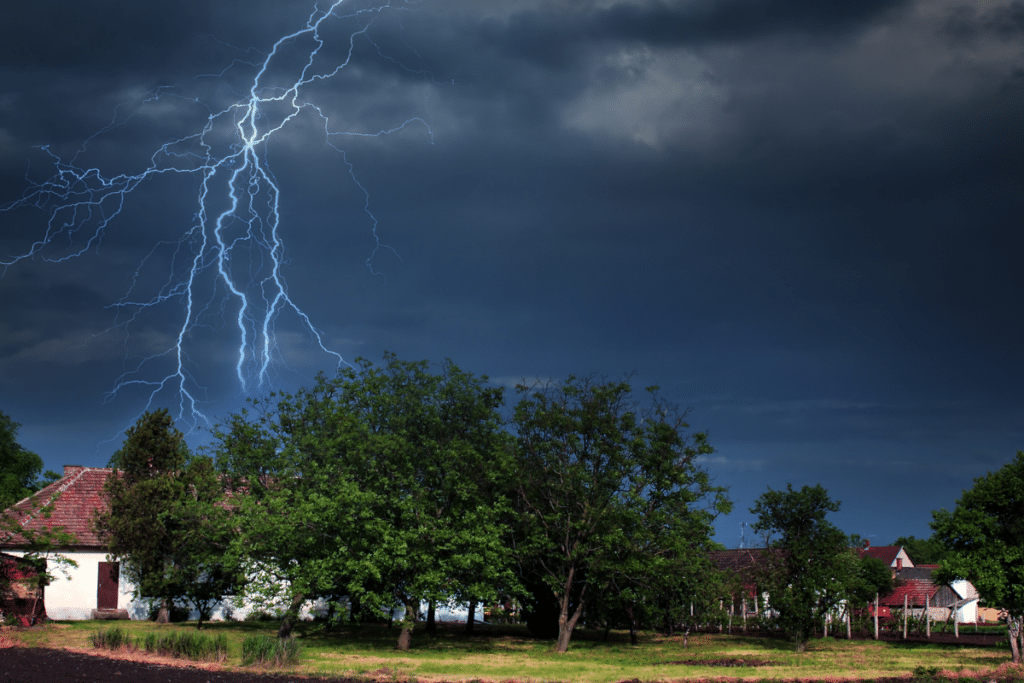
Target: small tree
[984, 539]
[809, 574]
[40, 544]
[165, 520]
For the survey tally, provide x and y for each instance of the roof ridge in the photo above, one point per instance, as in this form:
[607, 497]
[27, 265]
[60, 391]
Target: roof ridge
[61, 489]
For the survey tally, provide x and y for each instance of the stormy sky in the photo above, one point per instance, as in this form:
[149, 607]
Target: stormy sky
[800, 219]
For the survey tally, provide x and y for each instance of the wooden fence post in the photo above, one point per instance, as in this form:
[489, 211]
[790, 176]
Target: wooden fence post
[928, 616]
[876, 616]
[905, 616]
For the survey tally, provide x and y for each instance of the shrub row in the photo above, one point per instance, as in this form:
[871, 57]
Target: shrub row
[184, 645]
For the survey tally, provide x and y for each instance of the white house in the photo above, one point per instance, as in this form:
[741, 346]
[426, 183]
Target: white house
[95, 589]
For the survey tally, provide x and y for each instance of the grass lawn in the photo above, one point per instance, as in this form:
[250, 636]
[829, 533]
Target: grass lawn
[501, 653]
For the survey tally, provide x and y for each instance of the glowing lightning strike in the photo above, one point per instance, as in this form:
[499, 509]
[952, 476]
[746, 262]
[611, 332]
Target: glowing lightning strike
[233, 250]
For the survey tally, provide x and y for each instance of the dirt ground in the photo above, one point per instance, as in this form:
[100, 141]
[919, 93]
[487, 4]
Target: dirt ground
[41, 665]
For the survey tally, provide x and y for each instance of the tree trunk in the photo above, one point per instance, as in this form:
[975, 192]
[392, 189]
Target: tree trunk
[163, 616]
[431, 616]
[290, 616]
[329, 619]
[686, 636]
[471, 616]
[1014, 632]
[405, 637]
[633, 640]
[567, 623]
[849, 619]
[354, 607]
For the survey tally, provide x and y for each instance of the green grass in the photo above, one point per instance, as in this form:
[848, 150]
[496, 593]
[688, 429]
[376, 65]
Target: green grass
[504, 653]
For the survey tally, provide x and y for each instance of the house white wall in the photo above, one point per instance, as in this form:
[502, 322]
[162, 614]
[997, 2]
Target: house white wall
[71, 594]
[968, 614]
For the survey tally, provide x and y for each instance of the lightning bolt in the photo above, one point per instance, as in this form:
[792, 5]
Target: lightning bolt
[227, 265]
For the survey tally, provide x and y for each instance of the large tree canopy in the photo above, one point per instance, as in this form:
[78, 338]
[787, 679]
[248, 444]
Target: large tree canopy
[379, 485]
[984, 538]
[611, 496]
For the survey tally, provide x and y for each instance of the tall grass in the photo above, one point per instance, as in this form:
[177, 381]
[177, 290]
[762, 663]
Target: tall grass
[182, 645]
[111, 639]
[268, 651]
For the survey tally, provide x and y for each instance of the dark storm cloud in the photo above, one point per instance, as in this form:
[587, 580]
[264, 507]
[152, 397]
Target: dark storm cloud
[798, 217]
[554, 39]
[967, 24]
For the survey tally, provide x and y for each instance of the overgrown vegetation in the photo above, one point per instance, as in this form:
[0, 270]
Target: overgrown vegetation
[264, 650]
[181, 644]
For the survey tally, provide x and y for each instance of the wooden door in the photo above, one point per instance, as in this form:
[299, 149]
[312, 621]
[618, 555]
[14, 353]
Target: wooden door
[106, 589]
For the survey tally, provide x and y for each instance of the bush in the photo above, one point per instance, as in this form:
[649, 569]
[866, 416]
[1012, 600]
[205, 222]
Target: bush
[261, 616]
[267, 651]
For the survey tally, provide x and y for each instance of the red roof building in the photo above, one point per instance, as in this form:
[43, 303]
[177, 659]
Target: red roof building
[893, 555]
[70, 502]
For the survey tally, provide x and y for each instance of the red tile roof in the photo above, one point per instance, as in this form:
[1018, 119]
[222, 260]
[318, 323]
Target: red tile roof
[71, 500]
[886, 553]
[740, 561]
[915, 589]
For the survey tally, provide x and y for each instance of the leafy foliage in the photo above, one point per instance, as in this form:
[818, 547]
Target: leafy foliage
[984, 537]
[19, 468]
[810, 571]
[922, 550]
[609, 496]
[166, 520]
[378, 485]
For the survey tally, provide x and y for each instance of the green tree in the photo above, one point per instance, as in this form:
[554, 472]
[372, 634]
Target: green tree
[19, 468]
[922, 550]
[41, 544]
[609, 495]
[808, 575]
[165, 519]
[984, 539]
[377, 485]
[19, 478]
